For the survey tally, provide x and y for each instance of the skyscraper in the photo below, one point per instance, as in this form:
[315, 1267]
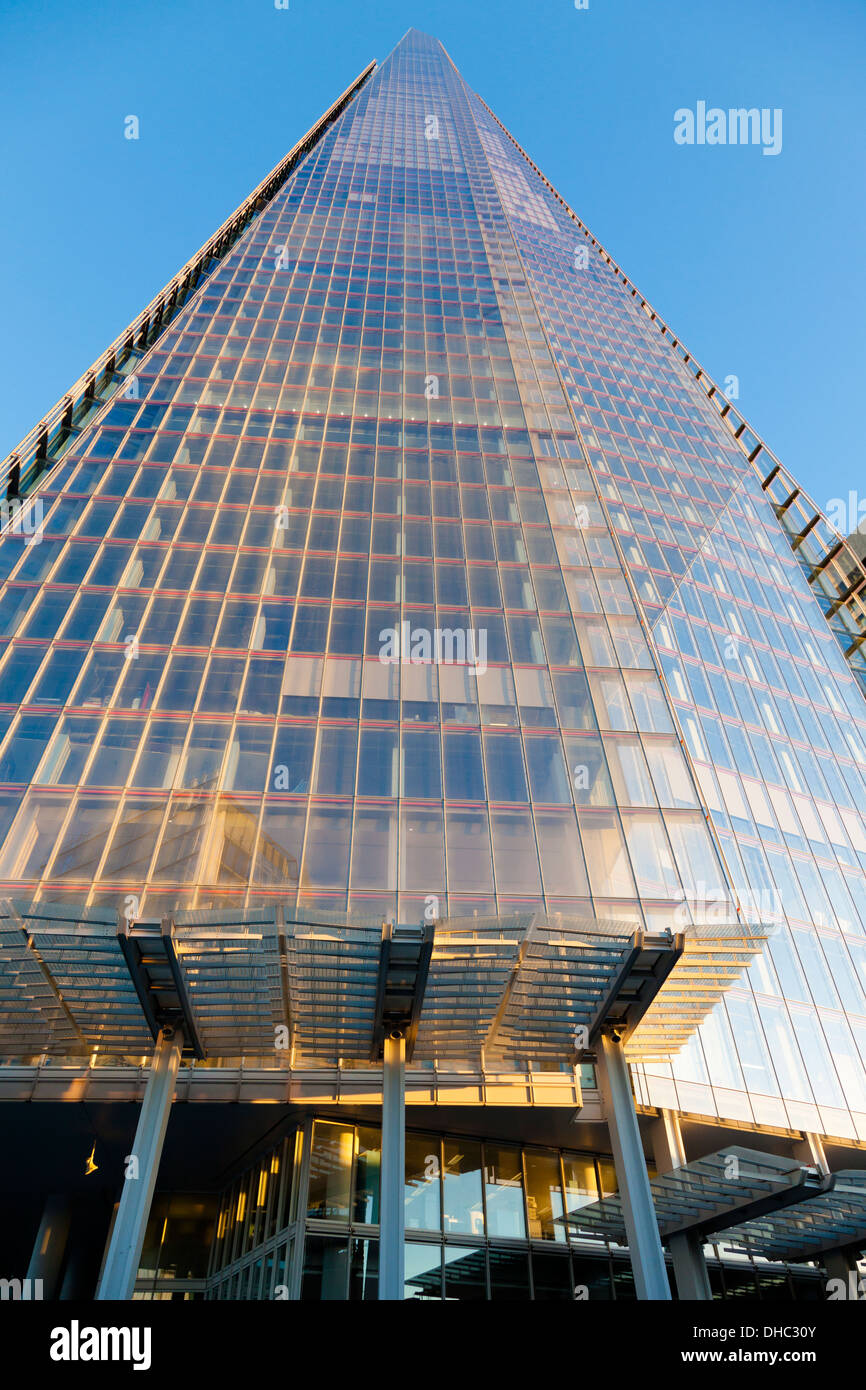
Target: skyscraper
[398, 567]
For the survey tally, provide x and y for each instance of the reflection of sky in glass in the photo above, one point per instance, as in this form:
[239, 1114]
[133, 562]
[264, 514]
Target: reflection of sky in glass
[402, 398]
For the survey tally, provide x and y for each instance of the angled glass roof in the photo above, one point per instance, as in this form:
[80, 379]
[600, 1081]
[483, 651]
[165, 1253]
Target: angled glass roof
[526, 985]
[833, 1218]
[765, 1204]
[714, 956]
[64, 983]
[521, 987]
[233, 970]
[710, 1194]
[333, 973]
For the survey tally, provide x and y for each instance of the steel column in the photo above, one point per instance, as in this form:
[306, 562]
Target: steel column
[392, 1218]
[127, 1236]
[687, 1252]
[645, 1247]
[49, 1247]
[810, 1149]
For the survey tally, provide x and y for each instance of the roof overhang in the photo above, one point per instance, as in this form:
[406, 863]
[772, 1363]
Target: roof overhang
[325, 985]
[770, 1205]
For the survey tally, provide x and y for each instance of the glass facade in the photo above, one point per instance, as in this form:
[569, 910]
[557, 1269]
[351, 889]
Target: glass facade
[412, 573]
[481, 1224]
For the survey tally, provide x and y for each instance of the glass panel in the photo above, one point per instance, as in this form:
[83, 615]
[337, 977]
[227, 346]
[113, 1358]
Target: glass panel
[503, 1190]
[465, 1274]
[592, 1278]
[364, 1271]
[739, 1283]
[368, 1158]
[254, 1286]
[331, 1163]
[69, 751]
[423, 1271]
[463, 1207]
[134, 840]
[543, 1195]
[423, 1204]
[623, 1282]
[509, 1276]
[160, 754]
[581, 1186]
[83, 842]
[326, 1268]
[281, 1213]
[606, 859]
[26, 746]
[551, 1278]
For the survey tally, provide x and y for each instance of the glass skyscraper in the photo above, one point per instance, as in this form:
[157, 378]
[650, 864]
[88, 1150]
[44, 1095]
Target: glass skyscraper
[401, 566]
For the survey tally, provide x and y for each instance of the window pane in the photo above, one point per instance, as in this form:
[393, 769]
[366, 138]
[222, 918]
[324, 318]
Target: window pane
[331, 1162]
[506, 779]
[543, 1196]
[514, 852]
[368, 1160]
[364, 1271]
[503, 1180]
[509, 1275]
[423, 1271]
[462, 1188]
[160, 754]
[26, 746]
[465, 1274]
[551, 1278]
[422, 1191]
[325, 1270]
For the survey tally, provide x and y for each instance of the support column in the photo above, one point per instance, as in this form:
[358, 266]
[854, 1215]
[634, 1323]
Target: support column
[49, 1247]
[645, 1247]
[810, 1150]
[842, 1263]
[127, 1237]
[392, 1218]
[690, 1267]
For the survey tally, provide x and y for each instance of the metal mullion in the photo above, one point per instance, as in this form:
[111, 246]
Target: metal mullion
[236, 1242]
[261, 1221]
[486, 1232]
[278, 1205]
[215, 1239]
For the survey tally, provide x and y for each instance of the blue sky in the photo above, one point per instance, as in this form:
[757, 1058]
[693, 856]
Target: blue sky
[756, 262]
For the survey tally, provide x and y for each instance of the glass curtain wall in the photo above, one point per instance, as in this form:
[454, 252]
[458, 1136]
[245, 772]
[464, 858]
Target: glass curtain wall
[483, 1222]
[412, 571]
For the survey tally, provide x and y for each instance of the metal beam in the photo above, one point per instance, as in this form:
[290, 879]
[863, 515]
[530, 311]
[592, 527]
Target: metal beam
[645, 1247]
[151, 959]
[127, 1237]
[404, 963]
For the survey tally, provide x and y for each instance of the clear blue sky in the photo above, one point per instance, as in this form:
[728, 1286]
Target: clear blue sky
[756, 262]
